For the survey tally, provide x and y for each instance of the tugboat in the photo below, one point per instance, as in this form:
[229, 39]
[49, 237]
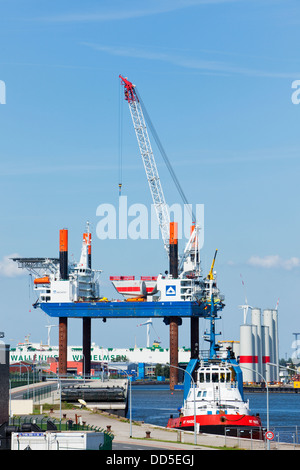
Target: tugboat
[215, 395]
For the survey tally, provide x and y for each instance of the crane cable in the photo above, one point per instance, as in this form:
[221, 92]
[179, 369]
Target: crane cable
[120, 143]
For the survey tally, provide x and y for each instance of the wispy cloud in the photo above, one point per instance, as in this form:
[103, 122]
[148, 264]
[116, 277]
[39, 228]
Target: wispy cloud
[274, 261]
[207, 66]
[35, 169]
[9, 268]
[13, 170]
[151, 8]
[260, 155]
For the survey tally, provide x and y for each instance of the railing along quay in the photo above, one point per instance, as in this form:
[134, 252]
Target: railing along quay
[272, 388]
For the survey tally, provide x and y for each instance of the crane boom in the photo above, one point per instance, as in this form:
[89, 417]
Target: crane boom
[161, 208]
[211, 274]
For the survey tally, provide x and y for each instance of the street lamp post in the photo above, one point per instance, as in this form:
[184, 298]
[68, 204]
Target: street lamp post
[58, 379]
[60, 410]
[130, 397]
[193, 382]
[283, 367]
[268, 413]
[83, 371]
[27, 368]
[59, 387]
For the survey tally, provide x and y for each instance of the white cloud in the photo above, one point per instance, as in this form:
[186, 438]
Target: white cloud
[8, 267]
[274, 261]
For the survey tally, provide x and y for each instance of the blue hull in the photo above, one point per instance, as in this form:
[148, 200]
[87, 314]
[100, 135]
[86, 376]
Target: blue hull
[125, 309]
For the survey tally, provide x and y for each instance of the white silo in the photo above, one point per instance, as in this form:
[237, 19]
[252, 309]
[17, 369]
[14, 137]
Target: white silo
[268, 320]
[247, 359]
[276, 344]
[236, 348]
[266, 369]
[256, 321]
[255, 351]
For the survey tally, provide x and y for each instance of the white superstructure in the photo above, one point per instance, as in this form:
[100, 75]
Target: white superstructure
[216, 391]
[81, 282]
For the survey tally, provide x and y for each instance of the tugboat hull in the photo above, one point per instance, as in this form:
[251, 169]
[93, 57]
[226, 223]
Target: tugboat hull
[247, 425]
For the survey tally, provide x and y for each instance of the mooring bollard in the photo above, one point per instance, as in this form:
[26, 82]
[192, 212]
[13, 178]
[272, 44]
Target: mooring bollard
[108, 428]
[148, 434]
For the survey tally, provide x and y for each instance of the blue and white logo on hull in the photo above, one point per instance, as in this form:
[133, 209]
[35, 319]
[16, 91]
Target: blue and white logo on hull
[171, 290]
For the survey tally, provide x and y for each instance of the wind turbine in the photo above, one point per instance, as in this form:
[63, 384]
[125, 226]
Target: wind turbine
[49, 331]
[246, 306]
[148, 323]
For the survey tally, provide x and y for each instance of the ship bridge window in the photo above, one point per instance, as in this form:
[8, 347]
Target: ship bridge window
[215, 377]
[207, 377]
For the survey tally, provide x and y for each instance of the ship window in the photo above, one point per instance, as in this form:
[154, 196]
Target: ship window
[207, 377]
[222, 377]
[204, 394]
[199, 394]
[201, 377]
[215, 377]
[228, 377]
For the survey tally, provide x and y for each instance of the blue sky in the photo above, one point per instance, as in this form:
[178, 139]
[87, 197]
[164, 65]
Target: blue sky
[216, 78]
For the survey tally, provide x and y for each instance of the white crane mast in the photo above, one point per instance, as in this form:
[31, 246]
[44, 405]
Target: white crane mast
[161, 208]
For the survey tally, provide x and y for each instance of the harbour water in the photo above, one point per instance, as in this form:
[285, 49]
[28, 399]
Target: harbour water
[154, 405]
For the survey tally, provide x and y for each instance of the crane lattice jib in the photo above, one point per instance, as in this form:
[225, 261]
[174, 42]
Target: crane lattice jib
[140, 128]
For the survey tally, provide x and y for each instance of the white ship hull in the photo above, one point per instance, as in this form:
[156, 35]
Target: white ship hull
[41, 353]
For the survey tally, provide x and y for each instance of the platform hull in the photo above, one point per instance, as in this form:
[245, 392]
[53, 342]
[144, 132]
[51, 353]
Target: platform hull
[114, 309]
